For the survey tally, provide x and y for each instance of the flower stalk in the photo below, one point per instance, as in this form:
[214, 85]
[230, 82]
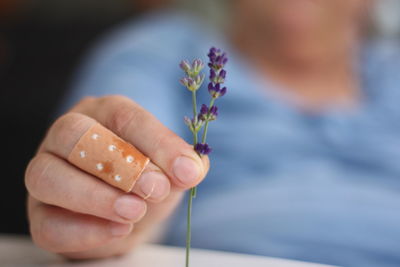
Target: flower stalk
[192, 81]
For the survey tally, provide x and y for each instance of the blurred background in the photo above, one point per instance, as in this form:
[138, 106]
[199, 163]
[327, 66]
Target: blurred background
[41, 44]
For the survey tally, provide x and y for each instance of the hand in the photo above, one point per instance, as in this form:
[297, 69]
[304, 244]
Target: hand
[78, 215]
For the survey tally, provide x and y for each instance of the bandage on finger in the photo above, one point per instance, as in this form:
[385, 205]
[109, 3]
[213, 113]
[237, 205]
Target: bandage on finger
[105, 155]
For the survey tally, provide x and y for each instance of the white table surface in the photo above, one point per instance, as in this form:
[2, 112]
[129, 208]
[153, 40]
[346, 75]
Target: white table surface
[20, 251]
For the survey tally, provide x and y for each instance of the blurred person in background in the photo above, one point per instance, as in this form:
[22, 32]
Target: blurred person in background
[306, 148]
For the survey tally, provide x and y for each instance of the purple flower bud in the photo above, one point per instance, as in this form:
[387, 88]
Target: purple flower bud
[190, 84]
[203, 115]
[203, 109]
[214, 50]
[214, 111]
[223, 59]
[217, 77]
[212, 114]
[212, 74]
[211, 89]
[222, 92]
[222, 74]
[184, 81]
[185, 66]
[215, 90]
[217, 59]
[203, 149]
[208, 114]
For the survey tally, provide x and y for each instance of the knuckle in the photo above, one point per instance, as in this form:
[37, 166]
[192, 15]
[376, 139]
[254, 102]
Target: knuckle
[164, 139]
[110, 100]
[68, 123]
[66, 126]
[123, 116]
[36, 172]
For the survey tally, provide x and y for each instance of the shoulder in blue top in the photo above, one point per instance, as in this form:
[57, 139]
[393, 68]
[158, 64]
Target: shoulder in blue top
[322, 188]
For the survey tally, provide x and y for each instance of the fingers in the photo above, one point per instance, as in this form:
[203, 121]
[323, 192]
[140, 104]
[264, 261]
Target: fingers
[52, 180]
[153, 184]
[137, 126]
[59, 230]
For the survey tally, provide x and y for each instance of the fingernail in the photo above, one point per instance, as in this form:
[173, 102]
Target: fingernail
[154, 185]
[119, 229]
[129, 207]
[186, 170]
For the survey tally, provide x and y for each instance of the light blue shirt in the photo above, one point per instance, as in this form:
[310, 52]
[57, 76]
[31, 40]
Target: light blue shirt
[283, 183]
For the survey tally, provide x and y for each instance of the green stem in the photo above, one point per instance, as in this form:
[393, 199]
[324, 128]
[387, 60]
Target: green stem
[188, 229]
[194, 104]
[195, 138]
[204, 136]
[193, 190]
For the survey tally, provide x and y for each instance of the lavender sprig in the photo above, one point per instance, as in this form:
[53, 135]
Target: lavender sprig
[217, 62]
[193, 81]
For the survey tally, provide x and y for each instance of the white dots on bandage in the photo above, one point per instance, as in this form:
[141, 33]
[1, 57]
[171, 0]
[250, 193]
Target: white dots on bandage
[99, 166]
[129, 159]
[117, 177]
